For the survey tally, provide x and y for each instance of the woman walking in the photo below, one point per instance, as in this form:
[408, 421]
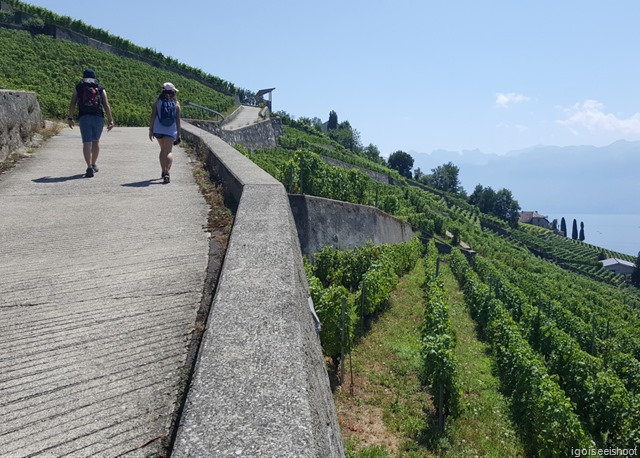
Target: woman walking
[165, 126]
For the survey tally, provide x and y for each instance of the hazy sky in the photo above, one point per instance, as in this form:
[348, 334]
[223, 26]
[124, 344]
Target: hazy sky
[413, 75]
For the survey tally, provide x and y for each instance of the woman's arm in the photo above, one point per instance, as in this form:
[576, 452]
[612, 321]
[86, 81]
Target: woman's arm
[154, 111]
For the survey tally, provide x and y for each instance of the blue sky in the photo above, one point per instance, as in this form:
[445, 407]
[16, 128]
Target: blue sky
[414, 75]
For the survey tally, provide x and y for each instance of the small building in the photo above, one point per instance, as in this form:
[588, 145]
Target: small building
[534, 218]
[619, 266]
[260, 97]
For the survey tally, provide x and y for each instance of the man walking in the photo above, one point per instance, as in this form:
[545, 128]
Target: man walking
[91, 100]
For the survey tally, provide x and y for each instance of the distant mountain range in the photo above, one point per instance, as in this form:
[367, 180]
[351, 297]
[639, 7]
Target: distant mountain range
[551, 179]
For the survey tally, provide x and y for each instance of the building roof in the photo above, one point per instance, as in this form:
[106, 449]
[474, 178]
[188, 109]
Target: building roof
[613, 261]
[262, 92]
[527, 216]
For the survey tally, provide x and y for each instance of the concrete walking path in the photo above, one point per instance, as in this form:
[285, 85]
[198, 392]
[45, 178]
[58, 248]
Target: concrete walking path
[100, 281]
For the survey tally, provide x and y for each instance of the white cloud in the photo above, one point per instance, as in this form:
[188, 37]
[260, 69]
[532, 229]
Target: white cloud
[504, 100]
[591, 115]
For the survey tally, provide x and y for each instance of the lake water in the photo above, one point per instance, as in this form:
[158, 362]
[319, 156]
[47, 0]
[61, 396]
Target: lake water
[615, 232]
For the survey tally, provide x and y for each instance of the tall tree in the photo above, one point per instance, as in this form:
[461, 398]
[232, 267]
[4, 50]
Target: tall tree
[347, 136]
[581, 236]
[563, 226]
[372, 152]
[445, 178]
[574, 230]
[402, 162]
[500, 204]
[417, 174]
[506, 207]
[333, 121]
[483, 198]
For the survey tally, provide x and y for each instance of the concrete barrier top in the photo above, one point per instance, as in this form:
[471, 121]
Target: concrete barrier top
[259, 387]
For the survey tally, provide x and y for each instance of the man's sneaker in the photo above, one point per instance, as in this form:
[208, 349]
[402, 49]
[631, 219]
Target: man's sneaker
[89, 173]
[95, 168]
[167, 178]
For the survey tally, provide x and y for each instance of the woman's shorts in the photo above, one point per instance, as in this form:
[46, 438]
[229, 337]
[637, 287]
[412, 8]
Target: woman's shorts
[91, 128]
[164, 135]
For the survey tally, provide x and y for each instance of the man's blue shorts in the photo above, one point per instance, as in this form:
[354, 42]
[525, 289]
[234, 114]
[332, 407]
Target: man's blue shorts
[91, 128]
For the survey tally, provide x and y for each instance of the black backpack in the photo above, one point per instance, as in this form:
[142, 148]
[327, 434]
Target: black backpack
[90, 98]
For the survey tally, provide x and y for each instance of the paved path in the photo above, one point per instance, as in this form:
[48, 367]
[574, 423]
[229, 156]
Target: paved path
[100, 280]
[245, 116]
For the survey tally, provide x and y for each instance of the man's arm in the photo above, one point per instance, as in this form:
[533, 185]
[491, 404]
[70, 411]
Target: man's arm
[107, 109]
[72, 108]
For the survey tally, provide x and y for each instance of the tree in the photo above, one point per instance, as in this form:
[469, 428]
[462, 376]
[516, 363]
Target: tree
[373, 153]
[635, 275]
[574, 230]
[417, 174]
[445, 178]
[402, 162]
[483, 198]
[506, 207]
[581, 236]
[333, 120]
[500, 204]
[347, 136]
[554, 224]
[563, 226]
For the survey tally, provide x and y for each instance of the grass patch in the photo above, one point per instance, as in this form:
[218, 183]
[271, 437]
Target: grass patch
[484, 427]
[390, 414]
[388, 411]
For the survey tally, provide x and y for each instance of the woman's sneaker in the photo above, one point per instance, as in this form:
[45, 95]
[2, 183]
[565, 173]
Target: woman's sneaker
[89, 172]
[95, 168]
[167, 177]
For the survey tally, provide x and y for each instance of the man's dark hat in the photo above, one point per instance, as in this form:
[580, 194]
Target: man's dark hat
[89, 73]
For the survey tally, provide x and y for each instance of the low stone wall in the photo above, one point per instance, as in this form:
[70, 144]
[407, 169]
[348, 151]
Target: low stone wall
[322, 222]
[263, 134]
[260, 387]
[377, 176]
[20, 119]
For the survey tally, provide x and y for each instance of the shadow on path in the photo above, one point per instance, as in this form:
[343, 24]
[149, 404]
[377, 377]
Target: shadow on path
[143, 184]
[58, 179]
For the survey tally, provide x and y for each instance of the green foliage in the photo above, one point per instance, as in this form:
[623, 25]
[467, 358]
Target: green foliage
[500, 204]
[544, 414]
[371, 271]
[300, 135]
[607, 410]
[440, 368]
[402, 162]
[52, 68]
[445, 178]
[43, 16]
[635, 275]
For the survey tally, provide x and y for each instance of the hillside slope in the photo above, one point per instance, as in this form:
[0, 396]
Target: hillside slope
[52, 68]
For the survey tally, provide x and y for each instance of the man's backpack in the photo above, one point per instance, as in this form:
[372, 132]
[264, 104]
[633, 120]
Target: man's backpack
[167, 112]
[90, 98]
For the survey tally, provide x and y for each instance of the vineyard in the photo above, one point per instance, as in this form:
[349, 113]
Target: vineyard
[52, 68]
[563, 333]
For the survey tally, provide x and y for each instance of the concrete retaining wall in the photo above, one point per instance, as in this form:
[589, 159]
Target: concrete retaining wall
[322, 222]
[20, 119]
[263, 134]
[260, 387]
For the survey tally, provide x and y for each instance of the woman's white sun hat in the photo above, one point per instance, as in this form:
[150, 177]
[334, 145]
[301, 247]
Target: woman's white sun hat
[169, 87]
